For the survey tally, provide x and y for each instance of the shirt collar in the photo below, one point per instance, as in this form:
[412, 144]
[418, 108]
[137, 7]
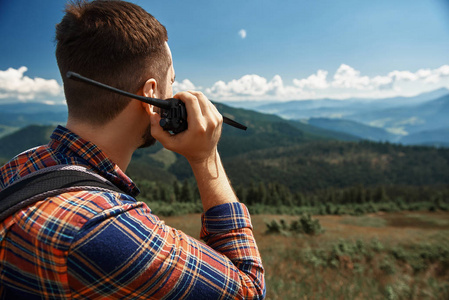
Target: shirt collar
[93, 157]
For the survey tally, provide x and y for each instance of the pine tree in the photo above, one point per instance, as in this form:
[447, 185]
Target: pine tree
[241, 194]
[262, 193]
[381, 195]
[163, 193]
[252, 195]
[360, 195]
[186, 192]
[299, 199]
[369, 195]
[273, 195]
[177, 191]
[155, 194]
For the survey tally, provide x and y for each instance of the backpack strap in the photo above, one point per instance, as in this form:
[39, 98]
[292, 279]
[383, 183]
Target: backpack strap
[50, 182]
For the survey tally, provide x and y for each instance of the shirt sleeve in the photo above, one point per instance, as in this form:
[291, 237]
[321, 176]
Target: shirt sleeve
[130, 253]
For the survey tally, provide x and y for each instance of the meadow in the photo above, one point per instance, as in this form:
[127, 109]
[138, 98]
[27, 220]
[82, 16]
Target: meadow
[394, 255]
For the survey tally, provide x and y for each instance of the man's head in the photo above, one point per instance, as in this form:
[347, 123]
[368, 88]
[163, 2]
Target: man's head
[114, 42]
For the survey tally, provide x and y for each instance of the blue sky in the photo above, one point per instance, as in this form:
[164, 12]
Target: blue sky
[257, 49]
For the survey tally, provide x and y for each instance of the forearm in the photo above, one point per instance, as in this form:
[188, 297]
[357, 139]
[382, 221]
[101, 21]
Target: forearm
[213, 184]
[228, 230]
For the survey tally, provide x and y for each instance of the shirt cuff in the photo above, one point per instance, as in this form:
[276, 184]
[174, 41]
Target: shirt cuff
[224, 218]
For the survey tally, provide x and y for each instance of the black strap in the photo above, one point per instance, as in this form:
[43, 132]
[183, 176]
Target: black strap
[42, 185]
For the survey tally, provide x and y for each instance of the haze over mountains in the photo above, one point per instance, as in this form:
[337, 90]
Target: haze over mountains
[419, 120]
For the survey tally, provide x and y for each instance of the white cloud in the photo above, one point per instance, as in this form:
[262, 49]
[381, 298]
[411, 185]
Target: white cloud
[348, 77]
[14, 85]
[242, 33]
[248, 85]
[185, 85]
[314, 81]
[346, 82]
[252, 87]
[402, 75]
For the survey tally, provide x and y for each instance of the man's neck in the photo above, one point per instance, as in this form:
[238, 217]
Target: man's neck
[113, 140]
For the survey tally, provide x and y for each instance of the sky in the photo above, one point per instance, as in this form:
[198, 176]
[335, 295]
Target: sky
[249, 50]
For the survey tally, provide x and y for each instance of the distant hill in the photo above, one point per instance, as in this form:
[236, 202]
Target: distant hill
[5, 130]
[26, 138]
[322, 165]
[333, 108]
[430, 115]
[266, 130]
[437, 137]
[19, 115]
[354, 128]
[24, 119]
[396, 119]
[32, 108]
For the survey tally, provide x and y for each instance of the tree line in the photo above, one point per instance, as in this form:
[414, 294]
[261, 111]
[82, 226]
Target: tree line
[278, 198]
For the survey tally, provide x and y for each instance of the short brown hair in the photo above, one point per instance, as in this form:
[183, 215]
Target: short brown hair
[114, 42]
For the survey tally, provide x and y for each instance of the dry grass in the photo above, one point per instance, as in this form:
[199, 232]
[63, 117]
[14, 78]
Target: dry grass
[295, 268]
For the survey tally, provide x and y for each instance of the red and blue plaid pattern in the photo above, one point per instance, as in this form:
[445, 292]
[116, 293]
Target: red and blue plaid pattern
[89, 245]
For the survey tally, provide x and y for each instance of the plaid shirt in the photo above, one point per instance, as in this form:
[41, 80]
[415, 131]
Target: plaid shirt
[92, 244]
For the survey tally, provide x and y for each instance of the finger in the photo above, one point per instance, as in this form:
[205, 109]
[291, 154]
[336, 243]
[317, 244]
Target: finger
[164, 137]
[202, 101]
[215, 115]
[214, 109]
[208, 108]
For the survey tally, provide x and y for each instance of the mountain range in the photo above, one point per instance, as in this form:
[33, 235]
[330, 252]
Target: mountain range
[19, 115]
[297, 155]
[418, 120]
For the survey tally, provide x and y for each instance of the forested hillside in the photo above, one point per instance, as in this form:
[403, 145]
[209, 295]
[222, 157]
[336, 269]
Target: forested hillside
[24, 139]
[285, 163]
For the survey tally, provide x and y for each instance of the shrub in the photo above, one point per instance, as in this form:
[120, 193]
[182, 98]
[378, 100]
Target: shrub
[304, 225]
[309, 226]
[275, 227]
[387, 266]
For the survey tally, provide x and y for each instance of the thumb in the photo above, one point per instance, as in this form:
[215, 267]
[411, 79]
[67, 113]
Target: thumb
[157, 131]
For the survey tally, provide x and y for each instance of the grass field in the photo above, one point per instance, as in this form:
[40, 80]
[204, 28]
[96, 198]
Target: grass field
[402, 255]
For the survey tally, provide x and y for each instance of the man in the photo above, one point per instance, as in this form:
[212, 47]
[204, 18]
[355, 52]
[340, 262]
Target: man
[102, 244]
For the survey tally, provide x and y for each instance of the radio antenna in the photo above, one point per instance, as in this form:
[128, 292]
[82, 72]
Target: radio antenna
[153, 101]
[164, 104]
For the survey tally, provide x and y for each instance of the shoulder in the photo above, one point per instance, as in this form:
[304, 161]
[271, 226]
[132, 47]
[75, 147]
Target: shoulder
[13, 167]
[30, 161]
[57, 220]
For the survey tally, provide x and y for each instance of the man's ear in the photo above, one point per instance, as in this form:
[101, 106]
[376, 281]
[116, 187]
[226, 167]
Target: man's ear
[149, 90]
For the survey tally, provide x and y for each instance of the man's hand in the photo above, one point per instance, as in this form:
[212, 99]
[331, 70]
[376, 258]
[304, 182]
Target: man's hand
[199, 142]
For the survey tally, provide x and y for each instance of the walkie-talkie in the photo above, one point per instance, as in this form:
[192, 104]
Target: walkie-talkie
[173, 111]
